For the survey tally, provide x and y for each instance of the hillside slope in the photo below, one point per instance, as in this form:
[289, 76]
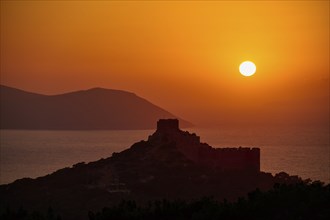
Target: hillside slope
[154, 169]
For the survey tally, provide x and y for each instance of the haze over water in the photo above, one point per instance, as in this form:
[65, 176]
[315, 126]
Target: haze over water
[295, 150]
[183, 57]
[78, 77]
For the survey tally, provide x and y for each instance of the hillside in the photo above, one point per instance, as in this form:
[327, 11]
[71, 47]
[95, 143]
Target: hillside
[95, 108]
[171, 164]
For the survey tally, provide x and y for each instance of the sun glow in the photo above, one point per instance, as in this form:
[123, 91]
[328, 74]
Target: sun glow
[247, 68]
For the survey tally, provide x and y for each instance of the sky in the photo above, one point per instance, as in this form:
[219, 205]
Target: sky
[182, 56]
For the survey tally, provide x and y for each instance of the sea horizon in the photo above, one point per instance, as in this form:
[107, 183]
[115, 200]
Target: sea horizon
[35, 153]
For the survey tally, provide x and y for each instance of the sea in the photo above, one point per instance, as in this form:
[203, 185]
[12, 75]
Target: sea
[302, 151]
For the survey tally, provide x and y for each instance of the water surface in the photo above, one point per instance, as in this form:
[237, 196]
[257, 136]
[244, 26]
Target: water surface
[26, 153]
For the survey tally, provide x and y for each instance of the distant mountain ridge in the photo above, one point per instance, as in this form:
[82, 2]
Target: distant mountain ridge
[92, 109]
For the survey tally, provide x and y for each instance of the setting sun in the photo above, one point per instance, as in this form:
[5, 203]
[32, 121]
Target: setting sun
[124, 108]
[247, 68]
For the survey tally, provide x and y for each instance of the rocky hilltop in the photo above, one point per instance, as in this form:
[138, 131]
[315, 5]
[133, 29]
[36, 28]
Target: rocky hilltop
[170, 164]
[220, 159]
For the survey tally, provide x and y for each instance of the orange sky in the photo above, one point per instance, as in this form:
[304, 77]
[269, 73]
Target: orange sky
[182, 56]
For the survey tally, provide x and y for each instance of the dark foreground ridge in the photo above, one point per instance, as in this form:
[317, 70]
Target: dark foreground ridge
[303, 201]
[171, 164]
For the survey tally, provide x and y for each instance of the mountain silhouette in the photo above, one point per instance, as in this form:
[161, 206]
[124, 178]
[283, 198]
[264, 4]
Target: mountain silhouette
[171, 164]
[95, 108]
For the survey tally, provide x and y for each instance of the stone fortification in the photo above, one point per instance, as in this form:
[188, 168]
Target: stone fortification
[239, 159]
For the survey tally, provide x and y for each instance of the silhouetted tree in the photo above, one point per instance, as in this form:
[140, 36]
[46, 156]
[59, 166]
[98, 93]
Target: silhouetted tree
[301, 201]
[22, 214]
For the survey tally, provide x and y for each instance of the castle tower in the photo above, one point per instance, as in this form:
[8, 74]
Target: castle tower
[167, 125]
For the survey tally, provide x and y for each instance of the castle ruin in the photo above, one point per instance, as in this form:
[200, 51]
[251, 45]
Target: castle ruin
[223, 159]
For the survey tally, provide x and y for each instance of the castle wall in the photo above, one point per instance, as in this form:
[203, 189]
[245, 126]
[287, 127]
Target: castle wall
[168, 124]
[223, 159]
[240, 159]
